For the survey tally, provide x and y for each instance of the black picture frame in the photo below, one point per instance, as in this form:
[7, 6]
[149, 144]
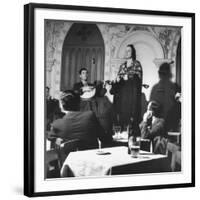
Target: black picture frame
[29, 97]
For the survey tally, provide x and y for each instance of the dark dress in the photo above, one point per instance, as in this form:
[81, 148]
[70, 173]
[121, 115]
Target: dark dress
[127, 93]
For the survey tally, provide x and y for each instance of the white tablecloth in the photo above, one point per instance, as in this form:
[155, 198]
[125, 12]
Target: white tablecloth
[90, 163]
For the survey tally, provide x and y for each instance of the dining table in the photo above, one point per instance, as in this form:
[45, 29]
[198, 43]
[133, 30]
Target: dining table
[112, 161]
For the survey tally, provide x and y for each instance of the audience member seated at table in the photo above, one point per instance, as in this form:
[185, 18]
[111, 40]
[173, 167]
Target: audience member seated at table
[153, 127]
[53, 111]
[152, 124]
[78, 125]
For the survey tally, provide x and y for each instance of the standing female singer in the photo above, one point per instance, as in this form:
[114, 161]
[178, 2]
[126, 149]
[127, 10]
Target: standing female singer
[127, 89]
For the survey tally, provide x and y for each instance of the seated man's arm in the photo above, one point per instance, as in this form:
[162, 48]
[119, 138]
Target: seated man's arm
[157, 129]
[153, 131]
[144, 130]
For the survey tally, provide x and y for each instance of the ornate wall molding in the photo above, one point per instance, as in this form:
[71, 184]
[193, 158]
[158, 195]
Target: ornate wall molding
[138, 37]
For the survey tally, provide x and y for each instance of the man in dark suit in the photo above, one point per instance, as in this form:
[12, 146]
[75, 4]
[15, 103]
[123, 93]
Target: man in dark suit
[152, 124]
[153, 127]
[83, 126]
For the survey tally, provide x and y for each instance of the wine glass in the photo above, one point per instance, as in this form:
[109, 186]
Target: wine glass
[117, 131]
[99, 144]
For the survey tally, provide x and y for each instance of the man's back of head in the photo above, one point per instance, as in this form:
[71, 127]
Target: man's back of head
[69, 101]
[165, 71]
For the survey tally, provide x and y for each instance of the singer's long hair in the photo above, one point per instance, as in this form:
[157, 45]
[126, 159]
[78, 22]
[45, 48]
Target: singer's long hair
[133, 51]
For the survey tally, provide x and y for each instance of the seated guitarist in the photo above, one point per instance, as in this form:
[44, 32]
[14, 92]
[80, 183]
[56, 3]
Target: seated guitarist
[83, 86]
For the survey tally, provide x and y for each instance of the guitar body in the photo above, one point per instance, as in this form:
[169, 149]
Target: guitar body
[88, 93]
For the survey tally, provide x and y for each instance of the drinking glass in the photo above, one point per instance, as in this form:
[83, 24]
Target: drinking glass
[117, 131]
[134, 146]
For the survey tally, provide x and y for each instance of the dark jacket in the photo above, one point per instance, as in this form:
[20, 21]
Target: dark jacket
[127, 94]
[156, 129]
[80, 125]
[156, 133]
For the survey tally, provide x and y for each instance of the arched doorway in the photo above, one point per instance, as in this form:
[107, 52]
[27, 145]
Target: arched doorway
[82, 47]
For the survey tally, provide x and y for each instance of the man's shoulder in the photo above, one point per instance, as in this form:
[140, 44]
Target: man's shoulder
[88, 113]
[159, 87]
[79, 114]
[157, 84]
[83, 117]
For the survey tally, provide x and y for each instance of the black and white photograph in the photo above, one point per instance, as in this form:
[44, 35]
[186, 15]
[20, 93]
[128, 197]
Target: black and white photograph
[113, 99]
[110, 94]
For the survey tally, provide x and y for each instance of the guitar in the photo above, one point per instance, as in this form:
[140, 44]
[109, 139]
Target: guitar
[88, 92]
